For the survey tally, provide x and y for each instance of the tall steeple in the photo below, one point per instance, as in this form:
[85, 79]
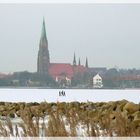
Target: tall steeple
[43, 53]
[79, 62]
[86, 65]
[74, 60]
[43, 33]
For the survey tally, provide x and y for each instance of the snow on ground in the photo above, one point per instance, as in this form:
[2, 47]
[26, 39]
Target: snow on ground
[81, 95]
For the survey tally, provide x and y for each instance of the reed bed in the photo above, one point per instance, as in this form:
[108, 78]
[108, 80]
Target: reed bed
[121, 118]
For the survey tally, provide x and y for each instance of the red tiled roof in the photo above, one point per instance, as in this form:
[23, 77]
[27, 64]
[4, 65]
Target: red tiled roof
[65, 69]
[80, 69]
[57, 69]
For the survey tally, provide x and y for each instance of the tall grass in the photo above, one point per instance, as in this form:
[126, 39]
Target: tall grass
[72, 120]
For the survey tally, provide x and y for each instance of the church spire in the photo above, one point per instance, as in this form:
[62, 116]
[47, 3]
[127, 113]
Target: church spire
[86, 65]
[43, 61]
[74, 60]
[79, 63]
[43, 33]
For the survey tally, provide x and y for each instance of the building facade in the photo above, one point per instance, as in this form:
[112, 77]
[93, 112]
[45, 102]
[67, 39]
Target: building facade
[97, 81]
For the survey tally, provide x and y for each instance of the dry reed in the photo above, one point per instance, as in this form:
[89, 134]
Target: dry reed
[64, 119]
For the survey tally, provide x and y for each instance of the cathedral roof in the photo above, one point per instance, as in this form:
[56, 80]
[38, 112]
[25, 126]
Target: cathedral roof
[57, 69]
[65, 69]
[80, 69]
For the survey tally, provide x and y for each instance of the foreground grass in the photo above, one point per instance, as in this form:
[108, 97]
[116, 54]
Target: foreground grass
[120, 118]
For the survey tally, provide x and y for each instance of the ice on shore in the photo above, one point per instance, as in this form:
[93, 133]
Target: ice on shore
[81, 95]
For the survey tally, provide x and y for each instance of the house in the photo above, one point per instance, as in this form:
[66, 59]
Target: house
[97, 81]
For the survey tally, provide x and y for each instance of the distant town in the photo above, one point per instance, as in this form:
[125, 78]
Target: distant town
[70, 75]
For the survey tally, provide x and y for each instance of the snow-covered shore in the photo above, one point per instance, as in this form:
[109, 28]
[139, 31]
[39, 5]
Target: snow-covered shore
[81, 95]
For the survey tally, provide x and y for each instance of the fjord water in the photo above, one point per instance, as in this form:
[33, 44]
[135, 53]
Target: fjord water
[68, 95]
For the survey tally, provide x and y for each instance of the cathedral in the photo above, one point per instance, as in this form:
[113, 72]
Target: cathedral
[58, 71]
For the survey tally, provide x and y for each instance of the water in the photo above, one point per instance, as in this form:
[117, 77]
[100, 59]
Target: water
[81, 95]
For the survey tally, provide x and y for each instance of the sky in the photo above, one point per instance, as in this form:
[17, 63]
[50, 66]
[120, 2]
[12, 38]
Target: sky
[108, 34]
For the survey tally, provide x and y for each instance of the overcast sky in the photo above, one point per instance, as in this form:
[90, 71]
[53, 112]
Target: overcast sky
[108, 34]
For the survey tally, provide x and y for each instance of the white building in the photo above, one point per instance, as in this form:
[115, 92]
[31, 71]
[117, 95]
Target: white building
[63, 81]
[97, 81]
